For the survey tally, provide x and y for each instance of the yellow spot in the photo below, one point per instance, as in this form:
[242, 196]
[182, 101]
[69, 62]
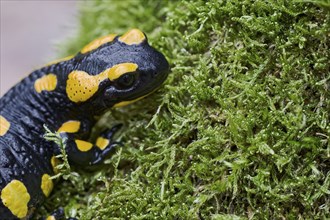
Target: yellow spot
[60, 60]
[47, 82]
[124, 103]
[16, 197]
[46, 184]
[4, 125]
[98, 42]
[51, 217]
[134, 36]
[83, 145]
[117, 70]
[54, 162]
[81, 86]
[70, 127]
[102, 143]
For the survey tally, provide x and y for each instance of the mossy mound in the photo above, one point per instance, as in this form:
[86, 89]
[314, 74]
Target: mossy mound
[239, 131]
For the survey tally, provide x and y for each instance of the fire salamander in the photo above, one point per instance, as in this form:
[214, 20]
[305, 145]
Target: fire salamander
[66, 96]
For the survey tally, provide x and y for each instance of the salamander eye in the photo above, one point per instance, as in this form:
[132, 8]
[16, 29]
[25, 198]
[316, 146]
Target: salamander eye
[126, 80]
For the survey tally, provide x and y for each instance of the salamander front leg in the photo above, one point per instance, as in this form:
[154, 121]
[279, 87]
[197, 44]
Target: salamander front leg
[85, 153]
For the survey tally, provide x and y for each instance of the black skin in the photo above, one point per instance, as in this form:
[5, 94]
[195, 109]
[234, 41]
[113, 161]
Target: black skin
[25, 155]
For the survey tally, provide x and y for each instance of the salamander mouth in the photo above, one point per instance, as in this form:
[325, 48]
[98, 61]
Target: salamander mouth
[143, 93]
[158, 80]
[161, 77]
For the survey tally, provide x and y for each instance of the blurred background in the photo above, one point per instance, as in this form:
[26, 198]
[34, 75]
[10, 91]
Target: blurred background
[30, 34]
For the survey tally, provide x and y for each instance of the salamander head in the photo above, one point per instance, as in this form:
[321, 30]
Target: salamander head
[144, 69]
[127, 67]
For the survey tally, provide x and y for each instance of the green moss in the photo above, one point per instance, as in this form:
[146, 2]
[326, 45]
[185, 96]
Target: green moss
[241, 128]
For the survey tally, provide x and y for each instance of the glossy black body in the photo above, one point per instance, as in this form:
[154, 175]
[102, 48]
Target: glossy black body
[24, 153]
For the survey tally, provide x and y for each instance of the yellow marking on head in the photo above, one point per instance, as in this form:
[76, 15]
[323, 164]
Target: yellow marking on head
[47, 82]
[70, 126]
[16, 197]
[117, 70]
[134, 36]
[51, 217]
[4, 125]
[102, 143]
[98, 42]
[54, 162]
[124, 103]
[81, 86]
[60, 60]
[46, 184]
[83, 145]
